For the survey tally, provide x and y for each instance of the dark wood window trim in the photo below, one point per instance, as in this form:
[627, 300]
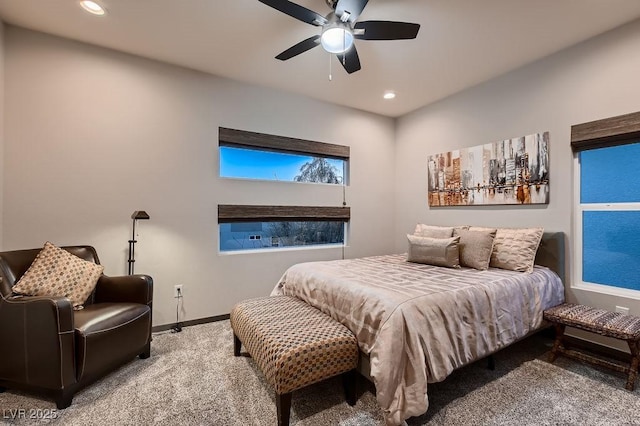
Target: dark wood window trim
[620, 130]
[228, 213]
[244, 139]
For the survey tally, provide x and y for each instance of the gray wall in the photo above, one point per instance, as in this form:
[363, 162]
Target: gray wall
[596, 79]
[93, 134]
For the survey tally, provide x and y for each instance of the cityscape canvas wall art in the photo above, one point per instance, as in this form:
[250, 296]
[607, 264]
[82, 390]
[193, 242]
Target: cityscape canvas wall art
[512, 171]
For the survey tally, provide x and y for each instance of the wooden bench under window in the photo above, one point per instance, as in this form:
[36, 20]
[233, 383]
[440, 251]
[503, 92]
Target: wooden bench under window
[600, 321]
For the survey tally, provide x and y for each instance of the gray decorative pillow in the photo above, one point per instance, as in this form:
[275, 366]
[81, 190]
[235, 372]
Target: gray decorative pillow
[515, 248]
[475, 247]
[434, 251]
[432, 231]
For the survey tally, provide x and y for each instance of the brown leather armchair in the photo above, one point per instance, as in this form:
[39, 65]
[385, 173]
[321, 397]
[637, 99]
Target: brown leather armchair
[49, 348]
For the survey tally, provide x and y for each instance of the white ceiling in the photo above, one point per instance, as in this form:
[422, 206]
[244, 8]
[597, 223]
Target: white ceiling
[461, 42]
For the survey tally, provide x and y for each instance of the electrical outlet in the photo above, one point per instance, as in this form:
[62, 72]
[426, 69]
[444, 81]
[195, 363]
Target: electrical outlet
[622, 310]
[177, 291]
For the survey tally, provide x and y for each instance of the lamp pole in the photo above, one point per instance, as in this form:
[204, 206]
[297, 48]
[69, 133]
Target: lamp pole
[137, 215]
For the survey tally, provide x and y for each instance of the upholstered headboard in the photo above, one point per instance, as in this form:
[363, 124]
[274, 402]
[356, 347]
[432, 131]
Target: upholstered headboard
[551, 253]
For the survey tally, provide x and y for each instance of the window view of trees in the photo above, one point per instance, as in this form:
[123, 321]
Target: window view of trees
[319, 170]
[290, 234]
[260, 235]
[248, 163]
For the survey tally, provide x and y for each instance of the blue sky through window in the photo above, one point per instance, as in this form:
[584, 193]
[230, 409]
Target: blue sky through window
[609, 188]
[610, 248]
[265, 165]
[609, 175]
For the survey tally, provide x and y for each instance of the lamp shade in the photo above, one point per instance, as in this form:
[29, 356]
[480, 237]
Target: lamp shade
[139, 214]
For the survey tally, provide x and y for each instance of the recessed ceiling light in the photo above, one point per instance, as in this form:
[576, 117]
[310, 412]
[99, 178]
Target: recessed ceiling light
[389, 94]
[93, 7]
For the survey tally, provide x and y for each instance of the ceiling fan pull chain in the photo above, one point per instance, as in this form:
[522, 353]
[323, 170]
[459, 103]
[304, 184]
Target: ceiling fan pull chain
[344, 49]
[330, 76]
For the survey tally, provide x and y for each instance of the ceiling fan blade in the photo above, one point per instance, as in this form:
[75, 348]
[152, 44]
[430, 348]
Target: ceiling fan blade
[296, 11]
[350, 60]
[299, 48]
[353, 7]
[386, 30]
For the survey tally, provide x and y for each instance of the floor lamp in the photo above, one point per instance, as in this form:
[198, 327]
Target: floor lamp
[136, 216]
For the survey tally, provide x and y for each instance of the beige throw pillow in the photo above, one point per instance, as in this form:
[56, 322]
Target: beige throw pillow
[434, 251]
[57, 273]
[432, 231]
[515, 248]
[475, 247]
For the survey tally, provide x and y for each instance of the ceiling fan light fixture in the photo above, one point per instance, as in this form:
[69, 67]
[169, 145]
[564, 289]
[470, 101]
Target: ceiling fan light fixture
[339, 29]
[336, 39]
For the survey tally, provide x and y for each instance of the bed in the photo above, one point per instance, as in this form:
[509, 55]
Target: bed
[416, 323]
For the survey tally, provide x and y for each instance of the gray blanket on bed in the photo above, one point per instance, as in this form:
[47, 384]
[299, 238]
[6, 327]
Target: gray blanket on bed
[419, 322]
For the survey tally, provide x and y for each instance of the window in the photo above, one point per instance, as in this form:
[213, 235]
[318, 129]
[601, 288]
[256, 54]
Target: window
[266, 235]
[245, 227]
[253, 155]
[260, 156]
[608, 205]
[264, 165]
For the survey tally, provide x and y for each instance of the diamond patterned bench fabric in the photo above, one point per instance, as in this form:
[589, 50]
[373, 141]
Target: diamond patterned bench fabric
[606, 323]
[293, 343]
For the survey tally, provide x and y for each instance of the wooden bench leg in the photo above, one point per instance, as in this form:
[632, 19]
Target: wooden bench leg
[558, 342]
[349, 380]
[634, 347]
[236, 345]
[283, 403]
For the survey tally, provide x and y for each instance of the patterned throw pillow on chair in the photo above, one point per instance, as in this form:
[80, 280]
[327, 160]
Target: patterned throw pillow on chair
[57, 273]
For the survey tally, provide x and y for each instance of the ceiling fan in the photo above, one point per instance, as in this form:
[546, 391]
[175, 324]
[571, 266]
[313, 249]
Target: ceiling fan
[339, 29]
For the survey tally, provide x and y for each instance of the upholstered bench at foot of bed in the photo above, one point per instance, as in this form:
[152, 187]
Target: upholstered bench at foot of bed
[600, 321]
[294, 345]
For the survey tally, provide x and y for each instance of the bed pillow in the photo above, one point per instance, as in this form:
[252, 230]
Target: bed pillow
[431, 231]
[434, 251]
[515, 248]
[57, 273]
[475, 247]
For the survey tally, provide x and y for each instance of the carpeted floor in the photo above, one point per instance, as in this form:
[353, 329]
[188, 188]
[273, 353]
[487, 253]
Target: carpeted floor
[192, 378]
